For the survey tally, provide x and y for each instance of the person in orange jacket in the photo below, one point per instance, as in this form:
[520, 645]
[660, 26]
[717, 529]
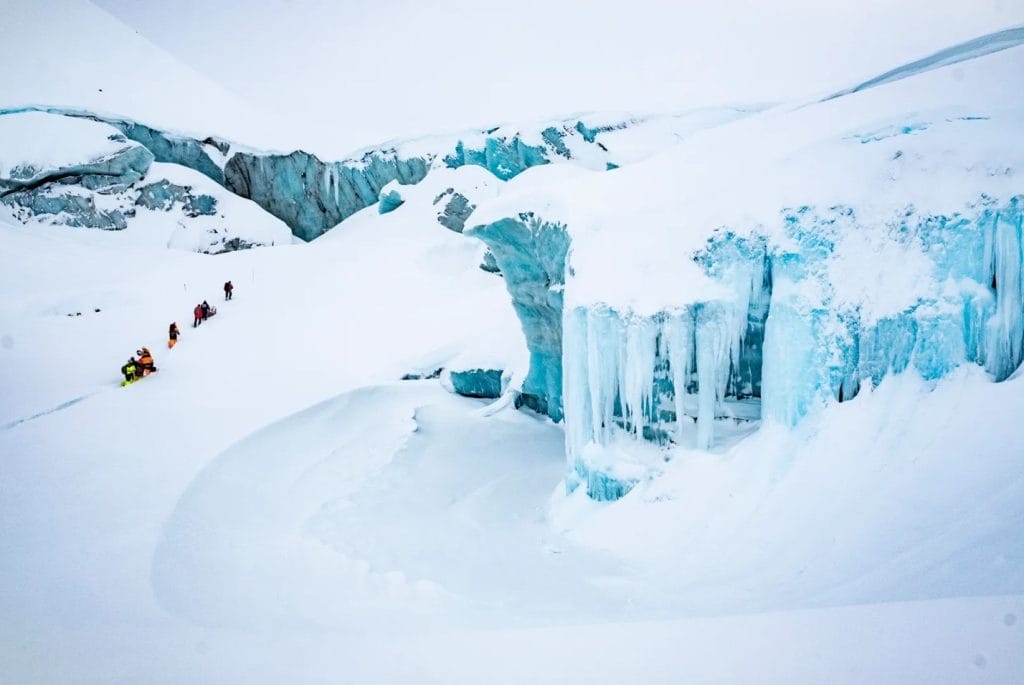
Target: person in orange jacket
[145, 361]
[172, 335]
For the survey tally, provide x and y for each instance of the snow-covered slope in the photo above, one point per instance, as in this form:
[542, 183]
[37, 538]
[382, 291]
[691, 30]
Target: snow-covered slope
[73, 54]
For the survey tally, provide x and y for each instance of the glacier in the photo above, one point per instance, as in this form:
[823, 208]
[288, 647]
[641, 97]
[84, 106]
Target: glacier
[312, 195]
[777, 348]
[880, 233]
[88, 174]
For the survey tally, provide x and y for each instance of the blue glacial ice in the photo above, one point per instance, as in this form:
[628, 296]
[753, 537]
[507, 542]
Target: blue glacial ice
[531, 254]
[312, 195]
[781, 347]
[390, 200]
[481, 383]
[455, 210]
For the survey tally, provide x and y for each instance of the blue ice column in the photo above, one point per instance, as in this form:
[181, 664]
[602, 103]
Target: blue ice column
[531, 253]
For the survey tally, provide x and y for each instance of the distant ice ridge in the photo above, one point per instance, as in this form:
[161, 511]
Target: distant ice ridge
[312, 196]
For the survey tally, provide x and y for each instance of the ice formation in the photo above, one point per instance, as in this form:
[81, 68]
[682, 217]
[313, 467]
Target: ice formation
[531, 253]
[476, 382]
[83, 173]
[874, 233]
[312, 195]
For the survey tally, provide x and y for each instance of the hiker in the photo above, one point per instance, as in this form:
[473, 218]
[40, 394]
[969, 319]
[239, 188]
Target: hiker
[129, 370]
[228, 288]
[205, 306]
[145, 361]
[172, 335]
[198, 314]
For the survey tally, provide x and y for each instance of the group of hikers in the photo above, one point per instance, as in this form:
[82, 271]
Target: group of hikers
[202, 312]
[134, 369]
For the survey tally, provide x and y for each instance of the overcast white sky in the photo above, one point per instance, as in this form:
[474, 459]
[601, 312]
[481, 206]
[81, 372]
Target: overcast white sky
[361, 72]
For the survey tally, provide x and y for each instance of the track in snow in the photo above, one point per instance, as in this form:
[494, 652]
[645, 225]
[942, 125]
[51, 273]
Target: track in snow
[59, 407]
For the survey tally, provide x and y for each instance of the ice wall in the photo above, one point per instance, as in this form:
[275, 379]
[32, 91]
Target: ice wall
[201, 155]
[508, 157]
[71, 173]
[312, 195]
[816, 348]
[789, 339]
[177, 149]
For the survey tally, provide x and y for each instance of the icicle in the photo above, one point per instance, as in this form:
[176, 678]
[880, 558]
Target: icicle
[678, 337]
[1005, 334]
[715, 331]
[579, 427]
[638, 373]
[602, 371]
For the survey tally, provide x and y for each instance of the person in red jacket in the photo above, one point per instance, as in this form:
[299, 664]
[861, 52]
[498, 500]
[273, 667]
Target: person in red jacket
[198, 314]
[228, 289]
